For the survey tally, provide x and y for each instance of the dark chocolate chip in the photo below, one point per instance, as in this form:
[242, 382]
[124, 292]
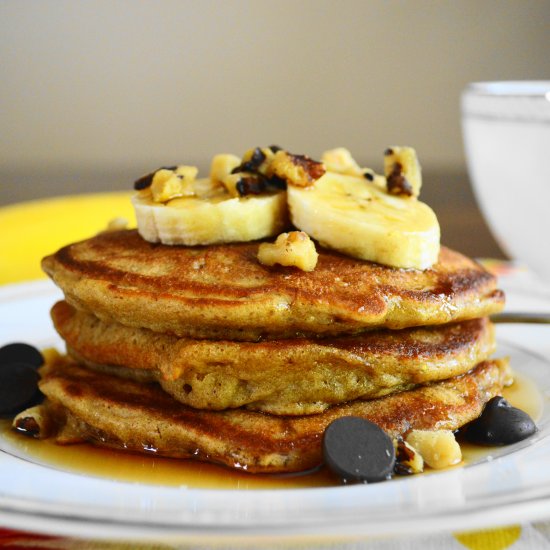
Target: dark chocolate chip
[144, 182]
[276, 182]
[18, 388]
[388, 151]
[275, 148]
[251, 165]
[20, 353]
[369, 176]
[251, 185]
[258, 156]
[500, 424]
[358, 450]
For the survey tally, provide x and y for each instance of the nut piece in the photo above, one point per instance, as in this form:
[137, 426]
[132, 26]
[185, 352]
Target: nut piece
[340, 160]
[438, 448]
[117, 224]
[168, 184]
[290, 249]
[508, 372]
[297, 170]
[257, 161]
[35, 422]
[222, 166]
[407, 459]
[402, 171]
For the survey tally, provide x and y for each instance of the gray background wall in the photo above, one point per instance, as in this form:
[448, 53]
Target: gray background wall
[94, 93]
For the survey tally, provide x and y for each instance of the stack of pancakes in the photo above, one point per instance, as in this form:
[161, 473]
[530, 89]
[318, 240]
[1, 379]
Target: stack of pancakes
[203, 352]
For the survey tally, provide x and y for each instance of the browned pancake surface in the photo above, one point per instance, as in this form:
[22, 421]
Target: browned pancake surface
[141, 417]
[223, 292]
[292, 376]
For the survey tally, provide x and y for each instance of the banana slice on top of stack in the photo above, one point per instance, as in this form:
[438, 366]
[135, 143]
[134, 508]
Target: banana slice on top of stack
[368, 216]
[335, 201]
[232, 205]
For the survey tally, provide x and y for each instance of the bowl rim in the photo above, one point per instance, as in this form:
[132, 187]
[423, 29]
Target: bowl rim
[539, 89]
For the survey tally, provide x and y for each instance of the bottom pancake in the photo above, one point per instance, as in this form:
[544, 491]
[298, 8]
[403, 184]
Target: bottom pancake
[108, 410]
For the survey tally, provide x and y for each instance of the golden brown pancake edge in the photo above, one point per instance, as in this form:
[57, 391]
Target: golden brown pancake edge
[292, 376]
[223, 292]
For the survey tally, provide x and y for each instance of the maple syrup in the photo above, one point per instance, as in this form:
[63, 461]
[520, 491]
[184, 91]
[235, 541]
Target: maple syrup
[121, 466]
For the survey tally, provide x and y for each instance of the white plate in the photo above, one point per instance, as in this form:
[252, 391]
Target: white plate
[514, 485]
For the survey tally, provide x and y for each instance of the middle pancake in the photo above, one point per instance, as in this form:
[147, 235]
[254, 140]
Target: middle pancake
[286, 376]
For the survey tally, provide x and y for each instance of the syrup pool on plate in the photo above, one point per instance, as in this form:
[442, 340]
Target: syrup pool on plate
[121, 466]
[140, 468]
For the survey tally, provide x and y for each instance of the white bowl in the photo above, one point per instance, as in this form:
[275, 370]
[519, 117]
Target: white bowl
[506, 130]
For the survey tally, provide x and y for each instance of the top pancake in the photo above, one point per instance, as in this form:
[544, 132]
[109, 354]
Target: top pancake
[223, 292]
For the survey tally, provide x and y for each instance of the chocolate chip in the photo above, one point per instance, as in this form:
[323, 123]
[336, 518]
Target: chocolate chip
[275, 148]
[144, 182]
[276, 182]
[251, 165]
[358, 450]
[21, 353]
[18, 388]
[251, 185]
[500, 424]
[369, 176]
[388, 152]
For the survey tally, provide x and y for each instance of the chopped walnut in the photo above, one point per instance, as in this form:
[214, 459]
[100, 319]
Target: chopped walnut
[145, 181]
[438, 448]
[407, 459]
[397, 183]
[170, 184]
[290, 249]
[508, 373]
[256, 160]
[35, 422]
[340, 160]
[167, 183]
[297, 170]
[117, 224]
[402, 171]
[253, 174]
[222, 166]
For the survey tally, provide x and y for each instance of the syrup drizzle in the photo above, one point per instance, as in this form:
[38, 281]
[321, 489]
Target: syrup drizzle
[121, 466]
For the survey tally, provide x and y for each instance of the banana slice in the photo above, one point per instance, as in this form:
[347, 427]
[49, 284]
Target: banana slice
[210, 216]
[360, 219]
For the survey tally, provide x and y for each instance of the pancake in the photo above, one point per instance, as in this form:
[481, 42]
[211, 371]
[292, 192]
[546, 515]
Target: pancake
[139, 417]
[222, 292]
[292, 376]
